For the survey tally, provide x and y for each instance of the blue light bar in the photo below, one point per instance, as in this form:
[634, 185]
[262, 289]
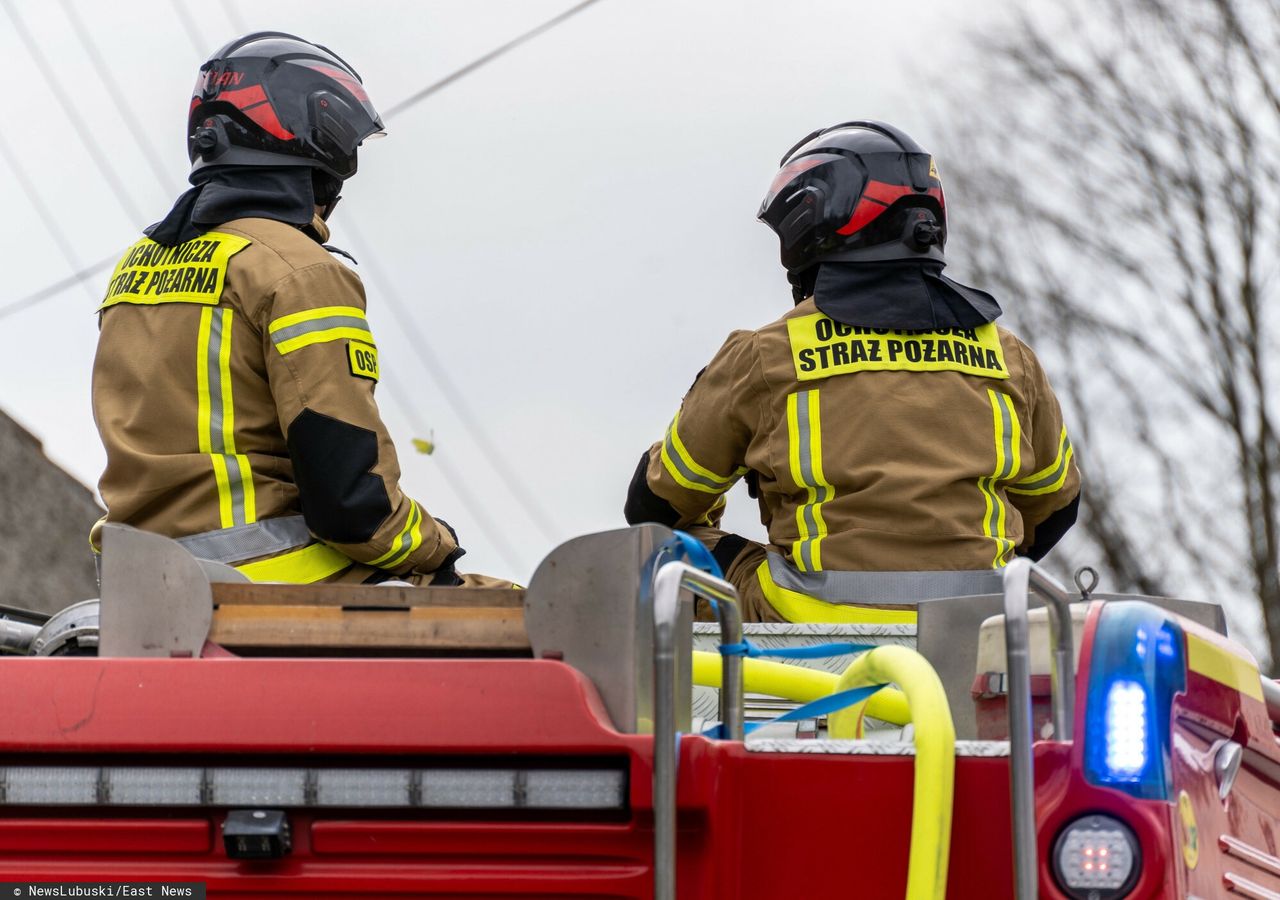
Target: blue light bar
[1136, 668]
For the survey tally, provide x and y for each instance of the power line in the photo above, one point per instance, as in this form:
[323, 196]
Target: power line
[192, 30]
[46, 216]
[190, 27]
[419, 96]
[421, 348]
[58, 287]
[95, 152]
[104, 71]
[456, 482]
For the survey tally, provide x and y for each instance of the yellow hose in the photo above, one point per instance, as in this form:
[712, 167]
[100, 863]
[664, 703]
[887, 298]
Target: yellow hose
[797, 683]
[933, 798]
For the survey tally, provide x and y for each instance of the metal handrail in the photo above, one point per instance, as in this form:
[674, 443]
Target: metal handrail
[1021, 577]
[673, 584]
[1271, 696]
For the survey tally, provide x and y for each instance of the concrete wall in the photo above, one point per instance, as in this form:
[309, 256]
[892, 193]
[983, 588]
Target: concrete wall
[45, 517]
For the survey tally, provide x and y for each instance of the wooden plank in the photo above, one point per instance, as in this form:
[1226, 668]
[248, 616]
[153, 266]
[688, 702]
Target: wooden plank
[355, 596]
[438, 628]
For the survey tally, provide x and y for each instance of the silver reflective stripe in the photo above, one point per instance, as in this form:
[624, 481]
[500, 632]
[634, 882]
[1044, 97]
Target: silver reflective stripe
[217, 412]
[883, 587]
[245, 542]
[293, 331]
[1006, 466]
[1064, 457]
[673, 453]
[821, 493]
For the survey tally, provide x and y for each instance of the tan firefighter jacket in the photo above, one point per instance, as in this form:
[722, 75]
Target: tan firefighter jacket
[874, 449]
[234, 392]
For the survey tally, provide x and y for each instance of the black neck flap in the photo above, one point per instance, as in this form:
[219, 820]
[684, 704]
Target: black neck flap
[284, 194]
[906, 294]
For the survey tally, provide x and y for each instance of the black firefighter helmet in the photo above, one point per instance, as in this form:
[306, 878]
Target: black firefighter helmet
[856, 192]
[273, 99]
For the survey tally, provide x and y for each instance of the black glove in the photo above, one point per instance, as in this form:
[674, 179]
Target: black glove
[445, 574]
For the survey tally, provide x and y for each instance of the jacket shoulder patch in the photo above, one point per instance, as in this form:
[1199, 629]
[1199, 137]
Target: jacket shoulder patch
[822, 347]
[363, 360]
[191, 272]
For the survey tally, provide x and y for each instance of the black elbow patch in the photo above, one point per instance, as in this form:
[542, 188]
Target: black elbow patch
[643, 505]
[1051, 530]
[343, 501]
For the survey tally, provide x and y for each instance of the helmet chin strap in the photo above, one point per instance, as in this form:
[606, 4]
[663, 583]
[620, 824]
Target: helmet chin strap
[327, 190]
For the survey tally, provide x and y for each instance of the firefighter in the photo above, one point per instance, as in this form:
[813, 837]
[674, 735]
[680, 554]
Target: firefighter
[886, 424]
[234, 380]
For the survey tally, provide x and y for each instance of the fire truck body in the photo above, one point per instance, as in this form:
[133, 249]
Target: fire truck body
[458, 776]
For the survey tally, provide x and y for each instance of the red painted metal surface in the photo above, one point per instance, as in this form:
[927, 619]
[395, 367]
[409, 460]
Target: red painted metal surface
[752, 825]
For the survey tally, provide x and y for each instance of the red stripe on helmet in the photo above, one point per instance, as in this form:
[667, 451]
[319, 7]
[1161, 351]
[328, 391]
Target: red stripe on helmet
[343, 78]
[863, 214]
[253, 102]
[876, 198]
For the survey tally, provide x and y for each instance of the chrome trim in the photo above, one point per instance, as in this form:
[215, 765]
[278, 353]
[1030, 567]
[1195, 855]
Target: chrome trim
[1238, 884]
[1233, 846]
[1271, 693]
[1021, 577]
[673, 584]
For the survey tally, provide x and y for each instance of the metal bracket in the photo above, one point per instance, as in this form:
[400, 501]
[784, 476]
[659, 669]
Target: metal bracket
[156, 599]
[677, 585]
[1020, 578]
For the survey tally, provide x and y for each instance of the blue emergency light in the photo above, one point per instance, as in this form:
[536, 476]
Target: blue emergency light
[1138, 665]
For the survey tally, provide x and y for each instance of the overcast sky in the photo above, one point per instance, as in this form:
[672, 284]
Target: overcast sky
[570, 231]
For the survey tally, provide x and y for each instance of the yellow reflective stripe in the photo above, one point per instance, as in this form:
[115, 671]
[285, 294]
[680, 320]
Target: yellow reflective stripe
[686, 471]
[215, 419]
[226, 514]
[324, 337]
[1223, 666]
[797, 607]
[319, 326]
[804, 433]
[311, 315]
[1008, 435]
[1051, 477]
[250, 498]
[824, 489]
[312, 563]
[224, 378]
[202, 380]
[403, 544]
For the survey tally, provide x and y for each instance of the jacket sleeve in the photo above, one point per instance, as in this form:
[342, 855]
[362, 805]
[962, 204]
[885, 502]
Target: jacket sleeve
[683, 478]
[1048, 493]
[322, 368]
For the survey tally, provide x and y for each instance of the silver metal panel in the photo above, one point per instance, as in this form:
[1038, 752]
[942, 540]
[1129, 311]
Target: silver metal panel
[964, 749]
[583, 603]
[156, 599]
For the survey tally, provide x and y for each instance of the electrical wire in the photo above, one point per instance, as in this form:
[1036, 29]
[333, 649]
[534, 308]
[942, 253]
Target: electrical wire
[418, 96]
[466, 415]
[81, 276]
[103, 71]
[51, 225]
[418, 343]
[190, 27]
[96, 151]
[457, 483]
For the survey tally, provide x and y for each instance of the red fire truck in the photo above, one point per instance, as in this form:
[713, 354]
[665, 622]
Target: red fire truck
[327, 741]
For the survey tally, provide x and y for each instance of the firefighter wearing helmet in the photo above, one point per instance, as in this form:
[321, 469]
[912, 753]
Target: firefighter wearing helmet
[233, 385]
[886, 424]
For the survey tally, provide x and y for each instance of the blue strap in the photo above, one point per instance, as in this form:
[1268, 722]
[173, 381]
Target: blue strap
[680, 546]
[821, 707]
[816, 651]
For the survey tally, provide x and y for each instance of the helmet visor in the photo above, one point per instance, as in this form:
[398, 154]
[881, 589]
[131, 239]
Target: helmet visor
[788, 173]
